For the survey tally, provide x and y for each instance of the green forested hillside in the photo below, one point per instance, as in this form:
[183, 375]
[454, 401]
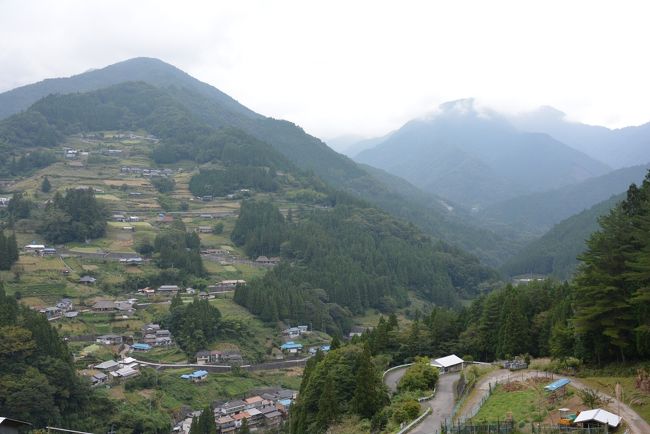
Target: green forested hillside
[537, 213]
[187, 99]
[345, 260]
[556, 252]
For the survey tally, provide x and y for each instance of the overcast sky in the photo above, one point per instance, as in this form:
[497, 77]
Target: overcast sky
[355, 67]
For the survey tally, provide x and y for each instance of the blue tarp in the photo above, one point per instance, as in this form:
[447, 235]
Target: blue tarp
[557, 384]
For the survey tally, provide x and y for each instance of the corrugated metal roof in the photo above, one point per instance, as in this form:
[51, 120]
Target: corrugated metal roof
[599, 415]
[557, 384]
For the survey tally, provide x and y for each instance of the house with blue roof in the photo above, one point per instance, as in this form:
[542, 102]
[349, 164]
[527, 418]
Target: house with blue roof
[141, 347]
[196, 376]
[291, 347]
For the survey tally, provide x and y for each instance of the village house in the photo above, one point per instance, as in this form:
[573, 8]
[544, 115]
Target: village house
[253, 402]
[88, 280]
[168, 290]
[195, 376]
[119, 218]
[51, 312]
[48, 251]
[99, 378]
[263, 260]
[294, 332]
[233, 407]
[109, 339]
[35, 248]
[109, 365]
[148, 292]
[141, 347]
[65, 304]
[228, 285]
[233, 357]
[4, 201]
[208, 357]
[204, 229]
[104, 306]
[126, 372]
[226, 424]
[291, 347]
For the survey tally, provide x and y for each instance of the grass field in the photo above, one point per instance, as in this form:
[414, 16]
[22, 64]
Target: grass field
[524, 405]
[639, 401]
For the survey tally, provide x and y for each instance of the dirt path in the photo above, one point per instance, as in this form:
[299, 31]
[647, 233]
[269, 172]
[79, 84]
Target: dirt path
[636, 424]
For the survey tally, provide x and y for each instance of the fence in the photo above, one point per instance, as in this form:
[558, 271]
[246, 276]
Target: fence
[539, 428]
[498, 427]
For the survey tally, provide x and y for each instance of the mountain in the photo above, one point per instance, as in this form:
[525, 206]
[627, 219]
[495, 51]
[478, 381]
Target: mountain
[618, 147]
[214, 108]
[537, 213]
[477, 158]
[353, 145]
[556, 252]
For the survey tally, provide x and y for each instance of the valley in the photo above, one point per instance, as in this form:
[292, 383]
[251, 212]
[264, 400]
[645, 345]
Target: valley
[171, 259]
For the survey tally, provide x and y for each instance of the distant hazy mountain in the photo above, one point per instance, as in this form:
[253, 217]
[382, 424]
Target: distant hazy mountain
[618, 148]
[556, 252]
[351, 145]
[217, 109]
[478, 158]
[536, 213]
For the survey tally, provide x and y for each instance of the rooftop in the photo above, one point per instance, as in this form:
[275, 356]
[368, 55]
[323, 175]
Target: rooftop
[447, 361]
[599, 415]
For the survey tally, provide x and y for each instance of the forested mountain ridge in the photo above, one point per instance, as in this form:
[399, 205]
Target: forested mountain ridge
[345, 260]
[538, 212]
[477, 157]
[556, 252]
[242, 161]
[191, 98]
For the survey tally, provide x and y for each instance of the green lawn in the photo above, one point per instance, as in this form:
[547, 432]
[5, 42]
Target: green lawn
[524, 405]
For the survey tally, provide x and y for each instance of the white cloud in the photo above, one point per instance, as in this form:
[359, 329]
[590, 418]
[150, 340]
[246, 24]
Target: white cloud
[365, 67]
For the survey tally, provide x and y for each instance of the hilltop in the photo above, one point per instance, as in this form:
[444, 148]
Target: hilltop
[212, 107]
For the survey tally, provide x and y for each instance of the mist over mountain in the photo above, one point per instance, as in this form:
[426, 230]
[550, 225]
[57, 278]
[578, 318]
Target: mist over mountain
[477, 157]
[618, 147]
[536, 213]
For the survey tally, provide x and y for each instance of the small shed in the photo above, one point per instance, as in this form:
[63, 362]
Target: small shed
[557, 388]
[598, 417]
[451, 363]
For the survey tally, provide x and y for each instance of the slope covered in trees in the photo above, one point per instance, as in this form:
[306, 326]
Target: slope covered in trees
[556, 252]
[340, 261]
[37, 374]
[612, 292]
[343, 382]
[77, 216]
[537, 213]
[182, 104]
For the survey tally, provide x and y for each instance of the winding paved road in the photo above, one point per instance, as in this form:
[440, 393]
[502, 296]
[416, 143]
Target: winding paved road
[441, 405]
